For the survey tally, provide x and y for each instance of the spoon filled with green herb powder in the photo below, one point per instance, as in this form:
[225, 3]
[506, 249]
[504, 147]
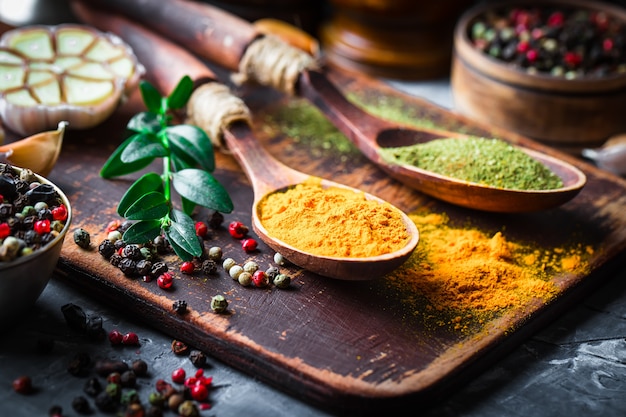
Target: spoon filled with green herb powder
[479, 173]
[490, 162]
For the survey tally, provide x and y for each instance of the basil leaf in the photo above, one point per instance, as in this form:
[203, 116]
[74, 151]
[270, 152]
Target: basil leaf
[151, 96]
[194, 142]
[147, 183]
[182, 234]
[152, 205]
[145, 122]
[142, 231]
[115, 167]
[144, 146]
[179, 97]
[203, 189]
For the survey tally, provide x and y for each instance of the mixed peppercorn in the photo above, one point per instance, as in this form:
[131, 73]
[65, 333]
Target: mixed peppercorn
[553, 40]
[32, 213]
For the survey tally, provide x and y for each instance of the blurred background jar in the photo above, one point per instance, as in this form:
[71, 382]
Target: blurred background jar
[403, 39]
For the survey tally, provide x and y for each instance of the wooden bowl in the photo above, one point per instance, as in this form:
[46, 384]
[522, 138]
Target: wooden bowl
[569, 114]
[402, 39]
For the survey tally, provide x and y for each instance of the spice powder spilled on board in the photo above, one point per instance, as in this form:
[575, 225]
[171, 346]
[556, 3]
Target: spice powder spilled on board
[468, 277]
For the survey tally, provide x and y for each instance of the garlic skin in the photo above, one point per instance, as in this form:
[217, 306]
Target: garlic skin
[67, 72]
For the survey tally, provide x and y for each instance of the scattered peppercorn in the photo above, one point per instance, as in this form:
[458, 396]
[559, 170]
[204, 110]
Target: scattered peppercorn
[79, 364]
[237, 229]
[92, 387]
[179, 348]
[128, 378]
[187, 267]
[249, 245]
[180, 306]
[188, 408]
[23, 385]
[139, 367]
[260, 279]
[82, 238]
[201, 229]
[81, 405]
[209, 267]
[245, 279]
[130, 339]
[215, 253]
[165, 281]
[198, 358]
[219, 304]
[282, 281]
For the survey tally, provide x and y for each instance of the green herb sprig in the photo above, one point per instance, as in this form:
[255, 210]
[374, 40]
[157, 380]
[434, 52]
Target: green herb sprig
[188, 161]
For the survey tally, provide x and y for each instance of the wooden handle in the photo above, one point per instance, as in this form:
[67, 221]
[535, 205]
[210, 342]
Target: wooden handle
[206, 30]
[166, 63]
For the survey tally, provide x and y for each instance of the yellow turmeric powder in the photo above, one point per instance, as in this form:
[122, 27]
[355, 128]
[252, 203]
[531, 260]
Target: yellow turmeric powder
[470, 276]
[333, 221]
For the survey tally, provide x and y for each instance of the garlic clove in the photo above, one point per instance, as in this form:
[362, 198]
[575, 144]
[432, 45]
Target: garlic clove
[68, 72]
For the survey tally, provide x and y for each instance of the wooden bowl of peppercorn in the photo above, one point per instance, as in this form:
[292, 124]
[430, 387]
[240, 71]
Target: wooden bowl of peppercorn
[35, 216]
[552, 70]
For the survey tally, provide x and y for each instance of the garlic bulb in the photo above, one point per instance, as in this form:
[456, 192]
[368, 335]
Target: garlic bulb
[68, 72]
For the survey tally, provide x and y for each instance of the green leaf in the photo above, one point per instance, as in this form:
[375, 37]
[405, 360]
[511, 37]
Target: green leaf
[152, 205]
[151, 96]
[145, 122]
[142, 231]
[114, 167]
[181, 161]
[144, 146]
[194, 142]
[203, 189]
[147, 183]
[182, 235]
[188, 206]
[179, 97]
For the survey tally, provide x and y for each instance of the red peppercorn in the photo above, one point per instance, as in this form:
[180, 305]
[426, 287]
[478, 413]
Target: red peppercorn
[23, 385]
[523, 46]
[112, 226]
[199, 392]
[5, 230]
[162, 385]
[42, 226]
[201, 229]
[178, 375]
[1, 198]
[249, 245]
[237, 229]
[115, 337]
[130, 339]
[165, 281]
[59, 213]
[607, 45]
[260, 279]
[556, 19]
[187, 267]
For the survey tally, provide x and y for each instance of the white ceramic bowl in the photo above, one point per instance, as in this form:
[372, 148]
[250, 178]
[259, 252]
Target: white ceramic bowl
[23, 280]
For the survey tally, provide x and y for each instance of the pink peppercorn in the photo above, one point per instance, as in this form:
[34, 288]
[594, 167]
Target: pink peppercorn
[165, 281]
[260, 279]
[130, 339]
[249, 245]
[187, 267]
[237, 229]
[5, 230]
[115, 337]
[59, 213]
[178, 375]
[201, 229]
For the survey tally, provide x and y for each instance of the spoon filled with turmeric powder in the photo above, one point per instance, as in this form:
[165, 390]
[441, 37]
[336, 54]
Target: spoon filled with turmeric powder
[319, 225]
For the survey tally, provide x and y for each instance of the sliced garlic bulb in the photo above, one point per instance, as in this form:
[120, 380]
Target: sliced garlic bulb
[67, 72]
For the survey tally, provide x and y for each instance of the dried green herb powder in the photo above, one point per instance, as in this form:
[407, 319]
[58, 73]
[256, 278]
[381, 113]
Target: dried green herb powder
[484, 161]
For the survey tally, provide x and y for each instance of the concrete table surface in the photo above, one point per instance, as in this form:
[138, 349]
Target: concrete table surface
[575, 366]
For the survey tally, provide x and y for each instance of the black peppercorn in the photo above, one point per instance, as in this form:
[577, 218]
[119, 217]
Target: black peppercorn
[209, 267]
[180, 306]
[115, 259]
[106, 248]
[106, 403]
[92, 387]
[154, 411]
[139, 367]
[82, 238]
[81, 405]
[128, 379]
[216, 220]
[158, 268]
[127, 266]
[198, 358]
[132, 251]
[143, 267]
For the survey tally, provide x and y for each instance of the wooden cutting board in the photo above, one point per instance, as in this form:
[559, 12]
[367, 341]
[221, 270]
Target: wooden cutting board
[348, 346]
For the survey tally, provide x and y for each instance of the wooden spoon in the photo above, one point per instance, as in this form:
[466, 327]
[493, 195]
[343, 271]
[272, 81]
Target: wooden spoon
[38, 152]
[266, 174]
[223, 38]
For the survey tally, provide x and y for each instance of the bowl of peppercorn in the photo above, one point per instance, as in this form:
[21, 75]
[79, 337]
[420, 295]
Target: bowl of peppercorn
[551, 70]
[34, 219]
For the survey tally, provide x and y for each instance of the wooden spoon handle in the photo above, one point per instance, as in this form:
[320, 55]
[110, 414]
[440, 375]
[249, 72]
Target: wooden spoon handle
[208, 31]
